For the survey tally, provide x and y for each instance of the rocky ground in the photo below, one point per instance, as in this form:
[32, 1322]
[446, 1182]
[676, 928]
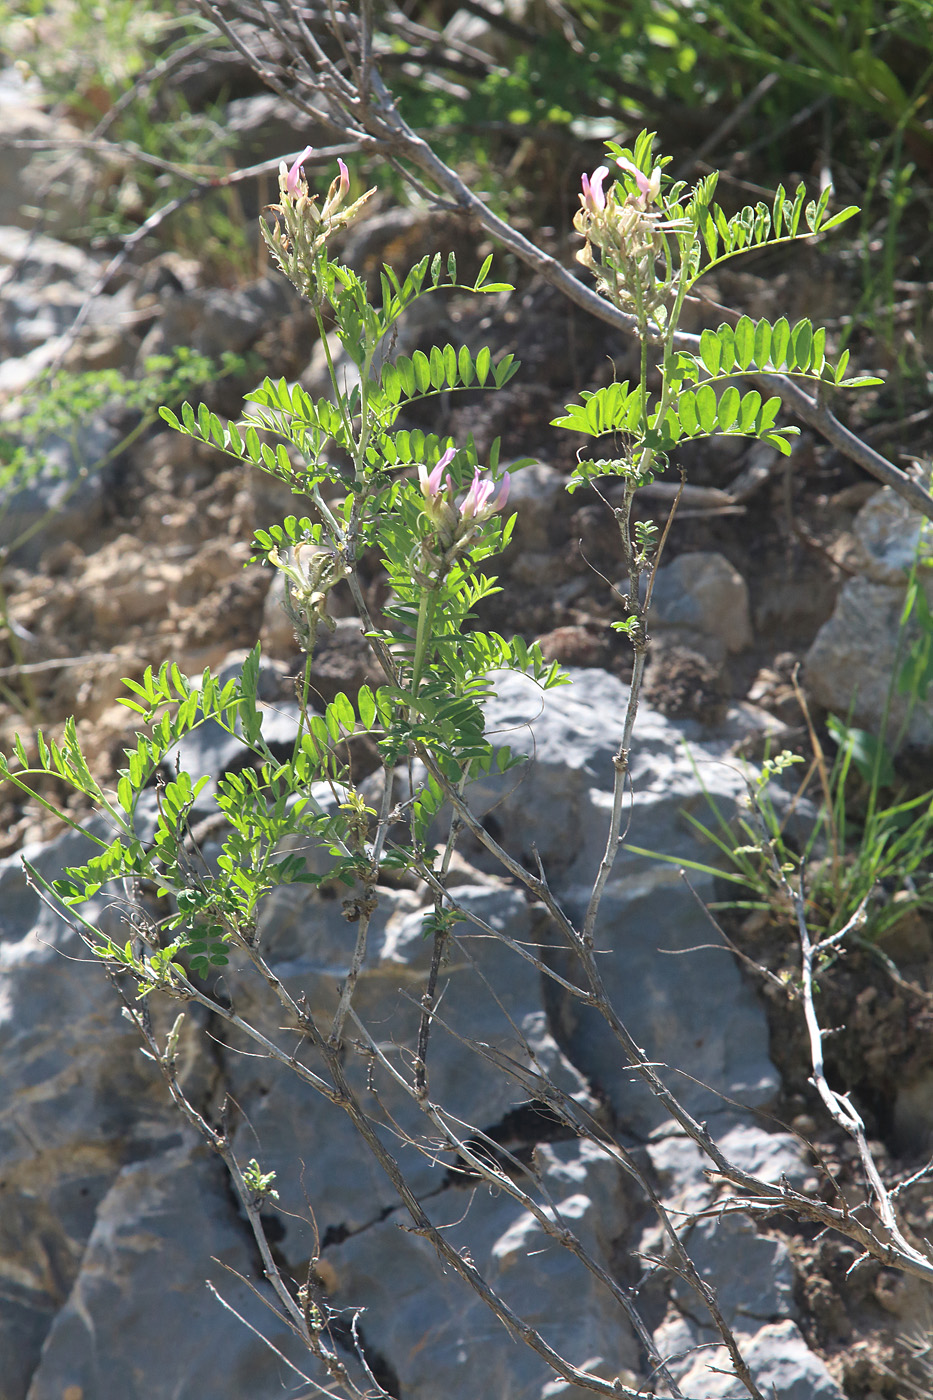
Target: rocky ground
[148, 559]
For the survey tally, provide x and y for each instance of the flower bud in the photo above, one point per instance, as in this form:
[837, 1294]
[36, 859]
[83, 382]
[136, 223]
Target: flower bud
[340, 188]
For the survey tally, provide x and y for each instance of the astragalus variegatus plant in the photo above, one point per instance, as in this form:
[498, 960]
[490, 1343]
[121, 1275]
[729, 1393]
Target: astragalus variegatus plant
[433, 514]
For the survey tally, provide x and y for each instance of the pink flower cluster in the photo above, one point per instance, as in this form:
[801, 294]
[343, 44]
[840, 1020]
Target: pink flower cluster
[295, 185]
[480, 502]
[593, 197]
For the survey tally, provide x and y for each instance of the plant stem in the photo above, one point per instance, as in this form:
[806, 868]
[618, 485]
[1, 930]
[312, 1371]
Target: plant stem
[426, 609]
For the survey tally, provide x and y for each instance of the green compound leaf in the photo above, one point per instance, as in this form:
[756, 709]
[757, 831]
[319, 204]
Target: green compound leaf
[756, 226]
[445, 367]
[613, 409]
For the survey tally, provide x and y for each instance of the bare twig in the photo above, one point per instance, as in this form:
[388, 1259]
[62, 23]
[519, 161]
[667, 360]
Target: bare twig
[245, 1322]
[839, 1106]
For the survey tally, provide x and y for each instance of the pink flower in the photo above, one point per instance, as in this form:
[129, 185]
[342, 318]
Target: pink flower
[649, 188]
[431, 482]
[439, 498]
[592, 197]
[477, 504]
[296, 172]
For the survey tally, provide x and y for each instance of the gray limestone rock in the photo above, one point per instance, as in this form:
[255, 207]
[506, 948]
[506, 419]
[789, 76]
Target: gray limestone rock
[683, 1001]
[44, 285]
[850, 664]
[442, 1338]
[264, 125]
[536, 494]
[752, 1273]
[78, 1102]
[887, 536]
[140, 1322]
[309, 942]
[778, 1357]
[701, 601]
[558, 804]
[211, 320]
[39, 262]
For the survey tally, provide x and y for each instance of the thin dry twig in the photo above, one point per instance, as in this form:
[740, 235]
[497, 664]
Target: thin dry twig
[839, 1106]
